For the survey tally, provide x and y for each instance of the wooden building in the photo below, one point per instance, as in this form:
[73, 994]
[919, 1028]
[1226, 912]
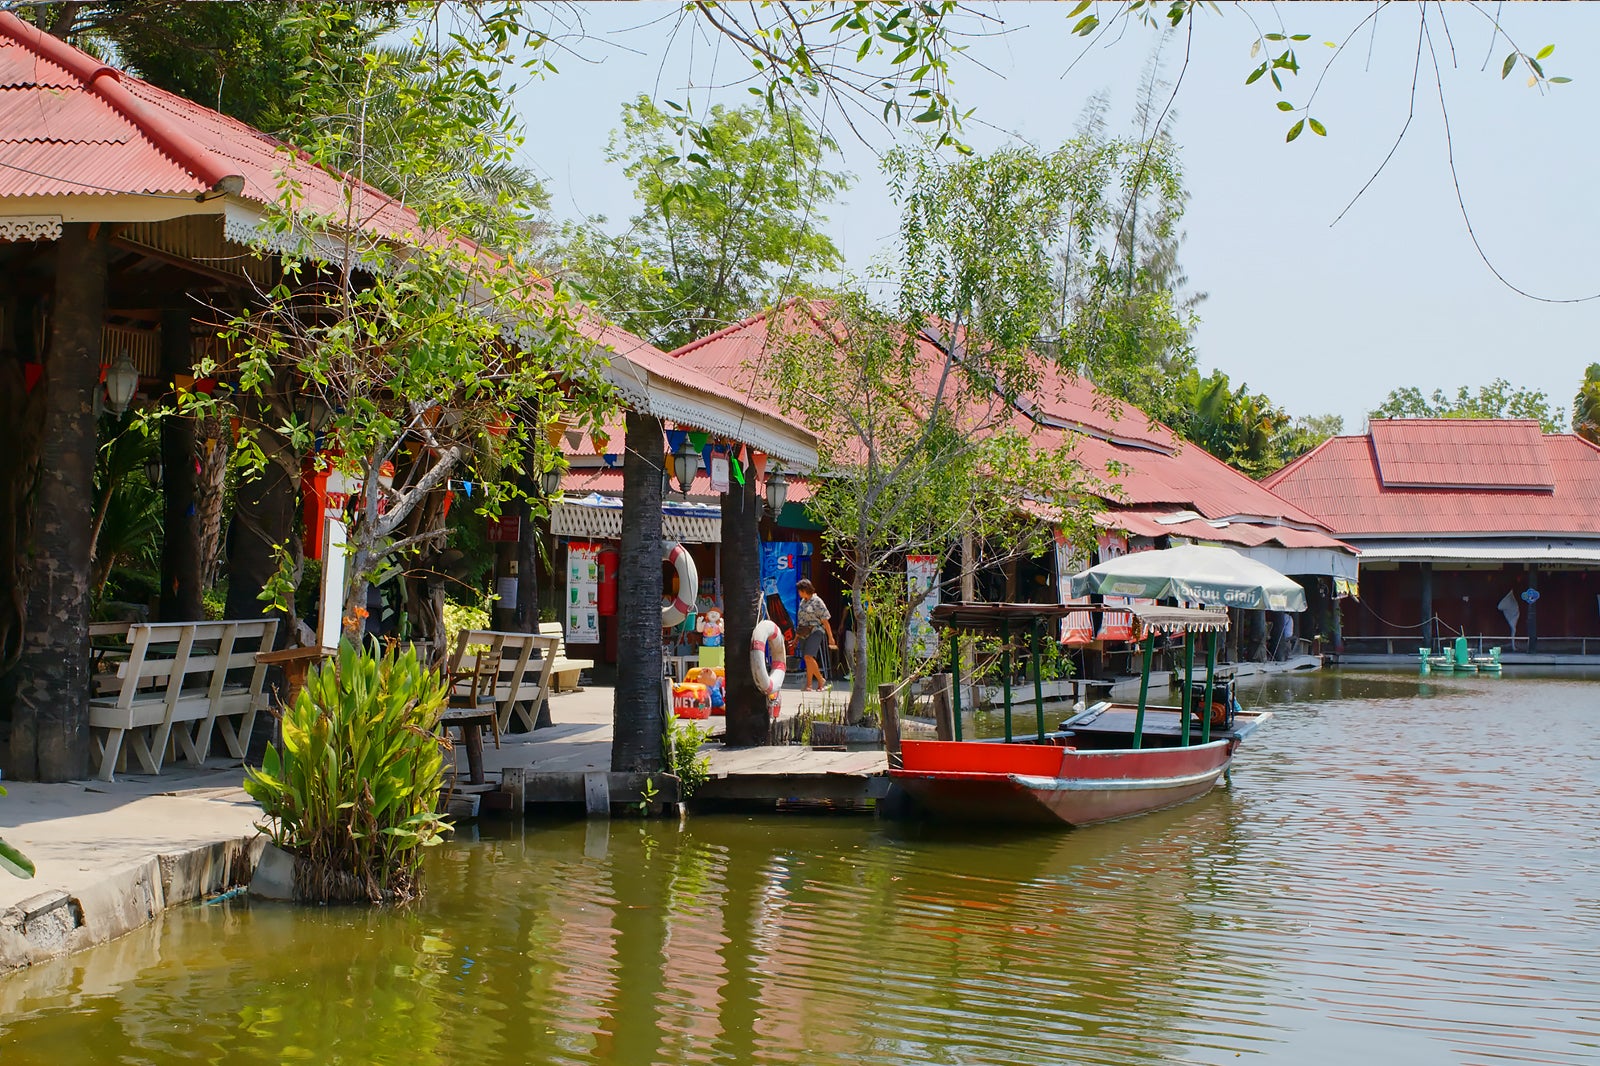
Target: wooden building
[1483, 527]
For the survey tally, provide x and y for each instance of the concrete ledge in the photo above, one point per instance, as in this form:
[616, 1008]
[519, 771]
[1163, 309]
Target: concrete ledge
[56, 922]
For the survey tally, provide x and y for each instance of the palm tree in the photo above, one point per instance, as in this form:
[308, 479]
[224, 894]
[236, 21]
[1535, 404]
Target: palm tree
[1586, 406]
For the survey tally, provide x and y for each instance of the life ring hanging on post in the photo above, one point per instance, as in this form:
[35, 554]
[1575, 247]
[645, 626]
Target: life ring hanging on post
[763, 637]
[676, 608]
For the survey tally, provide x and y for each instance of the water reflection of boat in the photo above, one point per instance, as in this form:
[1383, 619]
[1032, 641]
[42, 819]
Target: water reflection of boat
[1112, 760]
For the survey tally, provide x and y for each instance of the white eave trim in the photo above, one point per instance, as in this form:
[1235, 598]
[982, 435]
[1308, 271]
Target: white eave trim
[1483, 550]
[721, 415]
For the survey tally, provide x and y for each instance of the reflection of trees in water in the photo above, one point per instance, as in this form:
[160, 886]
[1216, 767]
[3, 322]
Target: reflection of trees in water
[726, 941]
[268, 981]
[1103, 944]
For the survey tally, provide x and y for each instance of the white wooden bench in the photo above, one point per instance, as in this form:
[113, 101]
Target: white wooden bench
[566, 670]
[504, 673]
[174, 686]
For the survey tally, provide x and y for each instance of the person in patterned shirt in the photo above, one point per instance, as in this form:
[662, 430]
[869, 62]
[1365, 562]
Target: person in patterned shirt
[810, 627]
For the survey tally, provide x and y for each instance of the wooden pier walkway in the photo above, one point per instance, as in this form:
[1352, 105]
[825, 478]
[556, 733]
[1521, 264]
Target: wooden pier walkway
[564, 765]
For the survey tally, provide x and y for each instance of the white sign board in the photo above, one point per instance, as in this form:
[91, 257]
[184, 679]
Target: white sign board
[330, 617]
[583, 594]
[922, 574]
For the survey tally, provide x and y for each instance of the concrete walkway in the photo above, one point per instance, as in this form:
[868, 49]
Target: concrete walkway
[110, 857]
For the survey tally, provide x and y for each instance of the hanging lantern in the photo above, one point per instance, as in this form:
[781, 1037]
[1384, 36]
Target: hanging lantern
[152, 470]
[550, 480]
[777, 490]
[122, 381]
[686, 463]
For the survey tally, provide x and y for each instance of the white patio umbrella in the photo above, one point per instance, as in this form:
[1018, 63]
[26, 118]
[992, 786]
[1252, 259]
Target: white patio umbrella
[1215, 577]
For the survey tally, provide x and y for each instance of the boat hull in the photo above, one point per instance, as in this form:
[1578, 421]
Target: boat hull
[1042, 784]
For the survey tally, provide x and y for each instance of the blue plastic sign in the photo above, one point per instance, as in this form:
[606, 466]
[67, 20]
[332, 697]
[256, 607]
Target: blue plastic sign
[1530, 596]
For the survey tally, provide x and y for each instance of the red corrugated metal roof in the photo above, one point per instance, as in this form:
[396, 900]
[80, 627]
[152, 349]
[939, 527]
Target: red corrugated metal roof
[1244, 534]
[70, 125]
[1142, 464]
[1340, 483]
[74, 126]
[1461, 453]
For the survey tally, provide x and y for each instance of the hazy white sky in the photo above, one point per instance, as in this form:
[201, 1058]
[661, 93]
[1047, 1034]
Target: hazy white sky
[1323, 319]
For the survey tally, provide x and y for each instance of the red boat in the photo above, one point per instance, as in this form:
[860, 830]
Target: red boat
[1107, 762]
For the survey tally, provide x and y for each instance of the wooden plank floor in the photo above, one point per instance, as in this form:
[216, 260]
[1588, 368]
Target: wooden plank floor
[581, 741]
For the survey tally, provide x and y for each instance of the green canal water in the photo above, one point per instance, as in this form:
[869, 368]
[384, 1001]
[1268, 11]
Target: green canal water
[1402, 871]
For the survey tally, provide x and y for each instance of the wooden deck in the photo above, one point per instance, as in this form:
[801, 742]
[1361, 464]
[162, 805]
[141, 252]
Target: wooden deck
[564, 765]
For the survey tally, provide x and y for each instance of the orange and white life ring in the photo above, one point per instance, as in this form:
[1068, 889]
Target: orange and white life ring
[680, 605]
[767, 635]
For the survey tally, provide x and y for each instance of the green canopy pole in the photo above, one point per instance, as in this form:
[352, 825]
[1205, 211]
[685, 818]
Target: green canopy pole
[1188, 686]
[1211, 695]
[1144, 690]
[1005, 668]
[955, 680]
[1038, 684]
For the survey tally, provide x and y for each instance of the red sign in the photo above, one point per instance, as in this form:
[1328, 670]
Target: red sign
[506, 529]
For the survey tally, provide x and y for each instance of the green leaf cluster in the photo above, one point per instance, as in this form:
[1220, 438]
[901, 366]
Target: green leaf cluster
[418, 325]
[1245, 430]
[352, 788]
[13, 861]
[731, 218]
[1586, 406]
[1498, 399]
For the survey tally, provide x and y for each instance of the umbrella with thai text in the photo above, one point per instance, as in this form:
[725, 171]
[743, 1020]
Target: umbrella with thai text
[1215, 577]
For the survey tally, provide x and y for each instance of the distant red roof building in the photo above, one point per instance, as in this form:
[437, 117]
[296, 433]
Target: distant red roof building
[1483, 507]
[1159, 486]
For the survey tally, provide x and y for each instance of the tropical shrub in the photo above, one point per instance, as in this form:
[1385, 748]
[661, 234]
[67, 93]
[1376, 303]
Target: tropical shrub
[352, 789]
[680, 743]
[13, 861]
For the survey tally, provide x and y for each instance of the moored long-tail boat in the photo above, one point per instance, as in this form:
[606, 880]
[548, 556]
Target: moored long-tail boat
[1111, 760]
[1107, 762]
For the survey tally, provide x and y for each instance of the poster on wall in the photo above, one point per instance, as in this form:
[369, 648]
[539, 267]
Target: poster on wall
[781, 561]
[922, 575]
[583, 593]
[1077, 627]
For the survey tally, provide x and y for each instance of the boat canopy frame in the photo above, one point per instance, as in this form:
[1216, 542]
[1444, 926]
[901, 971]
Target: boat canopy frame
[1150, 621]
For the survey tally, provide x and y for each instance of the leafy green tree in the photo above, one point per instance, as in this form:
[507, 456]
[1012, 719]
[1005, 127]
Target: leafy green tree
[1124, 317]
[1498, 399]
[1305, 433]
[921, 453]
[731, 217]
[424, 351]
[1586, 406]
[252, 60]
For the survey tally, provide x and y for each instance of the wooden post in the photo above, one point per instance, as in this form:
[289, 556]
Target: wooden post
[50, 723]
[1425, 577]
[1005, 676]
[597, 794]
[514, 780]
[1533, 608]
[637, 713]
[889, 702]
[180, 527]
[943, 720]
[1211, 692]
[955, 683]
[1144, 690]
[1188, 689]
[1038, 684]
